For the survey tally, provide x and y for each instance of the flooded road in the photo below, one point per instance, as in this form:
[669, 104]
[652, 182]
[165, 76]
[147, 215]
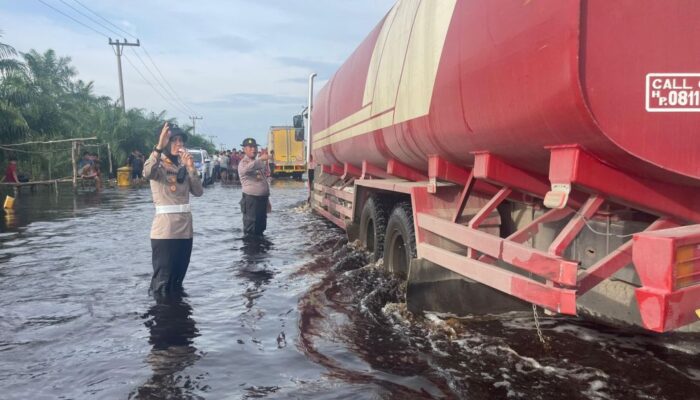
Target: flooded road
[302, 314]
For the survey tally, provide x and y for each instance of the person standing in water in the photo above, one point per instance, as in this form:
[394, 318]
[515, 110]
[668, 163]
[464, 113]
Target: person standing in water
[173, 176]
[256, 190]
[11, 171]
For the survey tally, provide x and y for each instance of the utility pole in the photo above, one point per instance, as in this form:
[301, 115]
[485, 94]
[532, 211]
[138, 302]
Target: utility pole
[194, 118]
[119, 50]
[211, 139]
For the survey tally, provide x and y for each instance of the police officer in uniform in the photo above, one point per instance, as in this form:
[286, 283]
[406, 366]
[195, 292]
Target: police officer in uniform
[172, 175]
[256, 190]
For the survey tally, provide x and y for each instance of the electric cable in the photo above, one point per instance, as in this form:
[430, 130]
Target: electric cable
[165, 90]
[149, 82]
[105, 19]
[171, 91]
[68, 16]
[90, 18]
[166, 82]
[175, 101]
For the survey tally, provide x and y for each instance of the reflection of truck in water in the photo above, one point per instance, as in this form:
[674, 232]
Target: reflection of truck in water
[289, 153]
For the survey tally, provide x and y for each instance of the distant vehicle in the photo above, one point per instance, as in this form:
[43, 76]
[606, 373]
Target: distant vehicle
[289, 157]
[202, 162]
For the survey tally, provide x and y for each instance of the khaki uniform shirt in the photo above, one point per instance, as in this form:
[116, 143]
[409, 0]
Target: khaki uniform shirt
[162, 174]
[252, 175]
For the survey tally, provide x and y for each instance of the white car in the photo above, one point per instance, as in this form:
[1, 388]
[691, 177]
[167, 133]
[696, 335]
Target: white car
[203, 163]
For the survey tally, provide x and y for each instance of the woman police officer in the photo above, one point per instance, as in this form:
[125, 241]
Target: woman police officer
[172, 175]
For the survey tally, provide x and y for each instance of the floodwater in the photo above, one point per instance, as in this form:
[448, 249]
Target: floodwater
[301, 315]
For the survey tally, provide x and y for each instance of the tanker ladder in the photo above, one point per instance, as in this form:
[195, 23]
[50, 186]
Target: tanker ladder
[594, 239]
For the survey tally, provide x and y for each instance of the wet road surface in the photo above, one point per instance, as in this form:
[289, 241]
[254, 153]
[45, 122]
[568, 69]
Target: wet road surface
[301, 314]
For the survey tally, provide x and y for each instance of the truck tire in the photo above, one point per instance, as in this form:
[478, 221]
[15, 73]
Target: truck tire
[400, 240]
[373, 226]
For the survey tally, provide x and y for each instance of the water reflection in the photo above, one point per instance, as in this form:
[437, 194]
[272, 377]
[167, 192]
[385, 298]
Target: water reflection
[10, 220]
[253, 267]
[172, 333]
[293, 315]
[255, 249]
[47, 206]
[282, 183]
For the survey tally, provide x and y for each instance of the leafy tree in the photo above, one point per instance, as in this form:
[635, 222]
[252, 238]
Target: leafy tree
[12, 122]
[7, 63]
[41, 98]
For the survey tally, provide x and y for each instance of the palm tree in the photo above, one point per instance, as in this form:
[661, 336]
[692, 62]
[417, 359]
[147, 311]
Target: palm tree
[41, 98]
[7, 63]
[49, 79]
[12, 123]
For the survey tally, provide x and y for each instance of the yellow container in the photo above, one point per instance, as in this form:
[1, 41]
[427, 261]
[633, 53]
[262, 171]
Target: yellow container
[9, 202]
[124, 176]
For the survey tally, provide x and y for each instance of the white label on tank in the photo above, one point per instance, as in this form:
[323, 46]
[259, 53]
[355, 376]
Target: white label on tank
[673, 92]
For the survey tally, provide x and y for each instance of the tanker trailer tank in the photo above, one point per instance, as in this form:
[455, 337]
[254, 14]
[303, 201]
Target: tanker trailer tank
[545, 149]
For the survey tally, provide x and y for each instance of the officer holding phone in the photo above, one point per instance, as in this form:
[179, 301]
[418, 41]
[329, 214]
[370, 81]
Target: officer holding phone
[255, 203]
[173, 176]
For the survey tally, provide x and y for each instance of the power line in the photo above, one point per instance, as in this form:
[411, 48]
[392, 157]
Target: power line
[206, 128]
[150, 84]
[171, 91]
[166, 81]
[146, 80]
[66, 15]
[104, 19]
[90, 18]
[157, 80]
[179, 104]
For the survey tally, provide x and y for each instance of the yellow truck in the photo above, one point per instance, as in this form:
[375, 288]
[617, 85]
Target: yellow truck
[289, 153]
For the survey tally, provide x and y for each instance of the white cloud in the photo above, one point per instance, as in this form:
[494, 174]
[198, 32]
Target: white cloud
[241, 64]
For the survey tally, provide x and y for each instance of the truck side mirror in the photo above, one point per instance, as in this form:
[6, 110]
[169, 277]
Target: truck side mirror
[298, 121]
[299, 134]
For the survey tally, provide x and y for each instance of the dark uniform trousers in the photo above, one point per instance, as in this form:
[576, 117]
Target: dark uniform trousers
[254, 210]
[170, 258]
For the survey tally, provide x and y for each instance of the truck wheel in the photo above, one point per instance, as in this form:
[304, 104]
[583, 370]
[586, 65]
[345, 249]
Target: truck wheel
[400, 243]
[373, 226]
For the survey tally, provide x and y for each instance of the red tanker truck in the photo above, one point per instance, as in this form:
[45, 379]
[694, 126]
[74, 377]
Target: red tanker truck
[547, 149]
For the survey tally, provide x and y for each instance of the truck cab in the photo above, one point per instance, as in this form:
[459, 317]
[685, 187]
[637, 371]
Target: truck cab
[288, 154]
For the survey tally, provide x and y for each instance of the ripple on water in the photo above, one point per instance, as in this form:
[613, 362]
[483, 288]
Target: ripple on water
[302, 314]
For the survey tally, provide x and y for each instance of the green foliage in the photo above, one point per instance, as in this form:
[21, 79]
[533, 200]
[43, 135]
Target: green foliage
[42, 99]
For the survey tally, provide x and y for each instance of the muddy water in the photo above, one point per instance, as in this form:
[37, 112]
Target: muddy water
[301, 314]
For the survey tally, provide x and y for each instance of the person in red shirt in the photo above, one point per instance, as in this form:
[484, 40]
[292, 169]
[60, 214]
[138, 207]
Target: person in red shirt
[91, 170]
[11, 171]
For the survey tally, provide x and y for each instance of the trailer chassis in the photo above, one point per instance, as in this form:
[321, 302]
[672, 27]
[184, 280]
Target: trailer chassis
[665, 255]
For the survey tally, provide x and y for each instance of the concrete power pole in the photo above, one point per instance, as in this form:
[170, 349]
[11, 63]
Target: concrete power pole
[118, 50]
[194, 128]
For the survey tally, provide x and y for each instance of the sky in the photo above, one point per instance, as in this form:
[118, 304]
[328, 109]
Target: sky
[241, 65]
